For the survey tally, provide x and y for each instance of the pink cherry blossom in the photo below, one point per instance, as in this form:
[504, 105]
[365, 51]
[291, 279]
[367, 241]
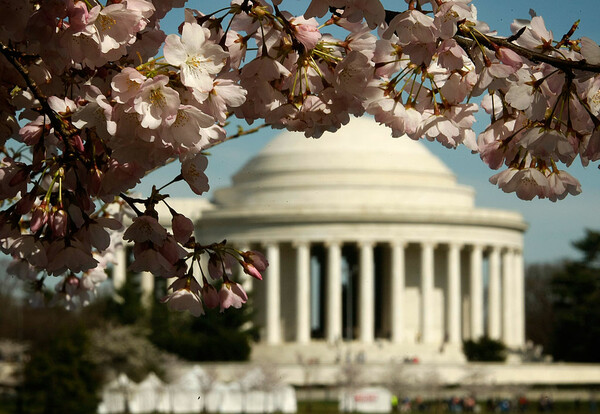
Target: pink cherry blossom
[210, 296]
[226, 93]
[192, 170]
[561, 184]
[220, 264]
[527, 183]
[536, 36]
[590, 50]
[254, 263]
[112, 26]
[127, 84]
[307, 31]
[411, 27]
[186, 130]
[185, 297]
[183, 228]
[156, 103]
[146, 228]
[232, 295]
[198, 58]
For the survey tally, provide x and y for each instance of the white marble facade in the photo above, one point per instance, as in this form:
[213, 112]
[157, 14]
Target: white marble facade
[370, 240]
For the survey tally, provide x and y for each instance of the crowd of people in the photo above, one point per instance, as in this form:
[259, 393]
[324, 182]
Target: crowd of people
[470, 404]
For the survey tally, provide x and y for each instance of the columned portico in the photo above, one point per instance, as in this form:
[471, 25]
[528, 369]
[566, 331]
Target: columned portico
[505, 312]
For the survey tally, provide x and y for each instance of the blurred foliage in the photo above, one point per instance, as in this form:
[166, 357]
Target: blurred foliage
[118, 348]
[59, 376]
[539, 309]
[214, 336]
[576, 305]
[71, 353]
[484, 349]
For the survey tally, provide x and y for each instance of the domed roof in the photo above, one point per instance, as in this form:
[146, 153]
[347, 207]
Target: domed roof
[358, 167]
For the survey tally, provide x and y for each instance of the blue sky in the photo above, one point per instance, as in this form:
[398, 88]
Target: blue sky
[553, 226]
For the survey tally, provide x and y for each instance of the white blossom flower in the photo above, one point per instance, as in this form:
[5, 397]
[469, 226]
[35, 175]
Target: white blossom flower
[199, 59]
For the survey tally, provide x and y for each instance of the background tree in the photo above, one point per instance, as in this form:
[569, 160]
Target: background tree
[59, 376]
[484, 349]
[216, 336]
[539, 307]
[576, 305]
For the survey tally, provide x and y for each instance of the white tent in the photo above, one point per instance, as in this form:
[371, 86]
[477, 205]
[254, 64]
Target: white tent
[189, 393]
[150, 396]
[223, 398]
[285, 399]
[115, 395]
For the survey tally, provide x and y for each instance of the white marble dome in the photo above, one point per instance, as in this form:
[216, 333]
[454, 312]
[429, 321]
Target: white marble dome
[360, 167]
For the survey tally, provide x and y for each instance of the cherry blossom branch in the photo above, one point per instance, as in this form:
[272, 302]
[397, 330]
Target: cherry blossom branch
[55, 120]
[241, 132]
[492, 42]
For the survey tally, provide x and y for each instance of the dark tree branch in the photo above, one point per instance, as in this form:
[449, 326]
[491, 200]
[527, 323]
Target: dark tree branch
[55, 120]
[491, 41]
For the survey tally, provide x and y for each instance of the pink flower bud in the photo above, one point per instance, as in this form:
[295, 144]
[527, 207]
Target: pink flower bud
[182, 227]
[210, 295]
[254, 263]
[77, 143]
[39, 217]
[251, 270]
[58, 222]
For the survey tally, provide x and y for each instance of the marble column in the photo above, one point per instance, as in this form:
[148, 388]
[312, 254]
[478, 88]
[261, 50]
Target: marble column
[120, 267]
[366, 306]
[302, 292]
[476, 292]
[147, 288]
[454, 302]
[273, 300]
[519, 280]
[427, 264]
[507, 297]
[494, 304]
[397, 288]
[333, 328]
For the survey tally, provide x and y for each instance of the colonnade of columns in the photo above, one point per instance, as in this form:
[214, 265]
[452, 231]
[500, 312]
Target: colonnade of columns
[502, 318]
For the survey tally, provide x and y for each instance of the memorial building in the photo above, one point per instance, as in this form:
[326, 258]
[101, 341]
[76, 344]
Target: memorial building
[374, 250]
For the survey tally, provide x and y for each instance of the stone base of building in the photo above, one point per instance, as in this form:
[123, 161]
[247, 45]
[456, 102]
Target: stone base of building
[379, 352]
[475, 377]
